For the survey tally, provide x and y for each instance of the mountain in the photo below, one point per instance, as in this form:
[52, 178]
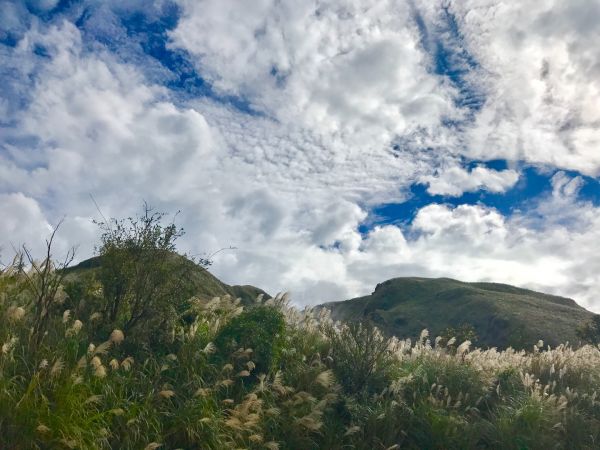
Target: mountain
[206, 285]
[502, 315]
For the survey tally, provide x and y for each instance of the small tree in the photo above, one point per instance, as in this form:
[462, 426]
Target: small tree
[44, 280]
[142, 276]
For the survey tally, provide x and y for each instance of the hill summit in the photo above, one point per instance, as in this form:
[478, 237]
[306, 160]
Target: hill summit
[205, 284]
[501, 315]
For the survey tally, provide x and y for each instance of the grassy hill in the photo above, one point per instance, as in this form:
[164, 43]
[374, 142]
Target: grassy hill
[206, 285]
[502, 315]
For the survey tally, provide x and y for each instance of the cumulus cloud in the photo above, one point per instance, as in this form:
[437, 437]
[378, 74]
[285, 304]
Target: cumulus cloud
[541, 77]
[473, 242]
[354, 70]
[455, 181]
[364, 71]
[346, 113]
[564, 186]
[23, 221]
[97, 125]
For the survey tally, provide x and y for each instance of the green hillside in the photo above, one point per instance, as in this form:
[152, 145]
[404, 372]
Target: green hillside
[501, 315]
[205, 285]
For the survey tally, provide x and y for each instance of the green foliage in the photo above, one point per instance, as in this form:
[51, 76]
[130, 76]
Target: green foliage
[526, 422]
[145, 283]
[462, 333]
[260, 328]
[589, 331]
[362, 360]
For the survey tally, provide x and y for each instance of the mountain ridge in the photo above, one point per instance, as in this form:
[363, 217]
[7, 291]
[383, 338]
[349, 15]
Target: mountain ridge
[501, 314]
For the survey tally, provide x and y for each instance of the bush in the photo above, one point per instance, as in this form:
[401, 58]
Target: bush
[362, 360]
[262, 329]
[462, 333]
[145, 283]
[589, 331]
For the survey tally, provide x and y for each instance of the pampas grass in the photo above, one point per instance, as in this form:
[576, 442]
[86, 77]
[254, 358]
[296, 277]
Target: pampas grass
[116, 337]
[331, 385]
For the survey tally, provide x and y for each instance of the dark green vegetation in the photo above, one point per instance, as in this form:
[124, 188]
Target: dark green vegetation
[131, 351]
[205, 284]
[589, 331]
[501, 315]
[262, 330]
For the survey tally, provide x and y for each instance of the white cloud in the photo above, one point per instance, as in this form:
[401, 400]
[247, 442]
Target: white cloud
[353, 70]
[455, 181]
[100, 127]
[23, 222]
[542, 80]
[357, 72]
[291, 188]
[564, 186]
[42, 5]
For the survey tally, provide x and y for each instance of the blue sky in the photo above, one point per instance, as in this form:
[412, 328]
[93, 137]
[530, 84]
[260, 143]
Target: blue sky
[334, 143]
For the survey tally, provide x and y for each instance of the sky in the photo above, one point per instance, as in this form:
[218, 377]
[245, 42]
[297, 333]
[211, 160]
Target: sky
[332, 144]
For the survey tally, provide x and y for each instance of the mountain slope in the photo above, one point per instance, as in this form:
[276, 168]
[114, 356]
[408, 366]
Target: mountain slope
[502, 315]
[206, 285]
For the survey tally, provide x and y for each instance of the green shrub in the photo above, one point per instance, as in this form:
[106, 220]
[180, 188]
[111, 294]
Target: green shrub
[462, 333]
[362, 360]
[260, 328]
[589, 331]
